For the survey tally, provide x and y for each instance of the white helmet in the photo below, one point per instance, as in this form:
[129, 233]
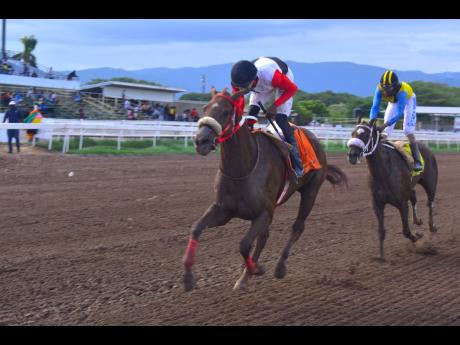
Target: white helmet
[12, 103]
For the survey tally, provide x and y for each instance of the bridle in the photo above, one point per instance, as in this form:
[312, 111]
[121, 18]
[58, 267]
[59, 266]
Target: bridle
[231, 126]
[369, 147]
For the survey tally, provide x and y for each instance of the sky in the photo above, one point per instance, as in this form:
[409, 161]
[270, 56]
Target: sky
[431, 46]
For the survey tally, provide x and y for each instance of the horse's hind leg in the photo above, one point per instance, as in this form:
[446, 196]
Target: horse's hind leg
[404, 212]
[214, 216]
[430, 190]
[413, 201]
[307, 200]
[433, 228]
[259, 227]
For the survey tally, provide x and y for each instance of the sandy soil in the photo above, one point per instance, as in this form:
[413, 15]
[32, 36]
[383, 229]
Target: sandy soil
[104, 247]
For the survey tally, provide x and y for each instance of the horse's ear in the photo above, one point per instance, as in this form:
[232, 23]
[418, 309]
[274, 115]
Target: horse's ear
[213, 91]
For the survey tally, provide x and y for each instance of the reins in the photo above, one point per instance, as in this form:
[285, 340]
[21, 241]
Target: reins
[233, 126]
[231, 121]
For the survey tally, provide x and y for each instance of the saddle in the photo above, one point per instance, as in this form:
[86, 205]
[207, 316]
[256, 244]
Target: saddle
[307, 154]
[403, 148]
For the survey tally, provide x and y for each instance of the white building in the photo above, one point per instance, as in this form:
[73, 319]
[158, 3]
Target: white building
[114, 89]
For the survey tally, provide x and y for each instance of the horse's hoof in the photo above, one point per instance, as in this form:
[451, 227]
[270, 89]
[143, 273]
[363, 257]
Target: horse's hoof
[418, 235]
[189, 281]
[418, 221]
[239, 286]
[260, 270]
[280, 271]
[433, 228]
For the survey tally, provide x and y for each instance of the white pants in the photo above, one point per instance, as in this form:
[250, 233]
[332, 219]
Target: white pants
[410, 116]
[265, 97]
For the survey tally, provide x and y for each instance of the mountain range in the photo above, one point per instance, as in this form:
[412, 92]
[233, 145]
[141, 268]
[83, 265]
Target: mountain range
[356, 79]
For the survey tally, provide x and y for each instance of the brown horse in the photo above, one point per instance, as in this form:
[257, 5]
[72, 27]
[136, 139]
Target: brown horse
[390, 178]
[251, 174]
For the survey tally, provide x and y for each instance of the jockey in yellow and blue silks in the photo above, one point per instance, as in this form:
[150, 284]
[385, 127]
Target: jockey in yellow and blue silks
[401, 101]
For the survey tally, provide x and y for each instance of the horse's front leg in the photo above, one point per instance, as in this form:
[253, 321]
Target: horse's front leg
[214, 216]
[259, 226]
[378, 210]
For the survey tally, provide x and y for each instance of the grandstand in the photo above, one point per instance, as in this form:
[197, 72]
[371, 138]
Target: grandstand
[103, 101]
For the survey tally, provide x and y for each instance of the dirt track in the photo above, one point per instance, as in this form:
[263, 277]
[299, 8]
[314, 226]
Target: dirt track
[105, 247]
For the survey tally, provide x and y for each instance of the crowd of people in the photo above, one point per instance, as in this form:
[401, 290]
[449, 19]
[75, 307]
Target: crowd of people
[143, 109]
[15, 68]
[46, 101]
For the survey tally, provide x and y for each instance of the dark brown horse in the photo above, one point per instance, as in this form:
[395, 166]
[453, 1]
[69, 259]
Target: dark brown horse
[390, 178]
[250, 176]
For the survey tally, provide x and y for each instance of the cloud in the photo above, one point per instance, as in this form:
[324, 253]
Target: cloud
[427, 45]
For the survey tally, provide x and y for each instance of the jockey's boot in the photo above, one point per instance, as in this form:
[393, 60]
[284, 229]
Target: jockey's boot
[417, 157]
[296, 161]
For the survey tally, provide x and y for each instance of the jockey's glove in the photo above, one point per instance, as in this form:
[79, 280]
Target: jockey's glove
[381, 128]
[271, 111]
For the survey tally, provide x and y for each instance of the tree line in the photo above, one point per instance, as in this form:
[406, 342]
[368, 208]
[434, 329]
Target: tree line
[334, 107]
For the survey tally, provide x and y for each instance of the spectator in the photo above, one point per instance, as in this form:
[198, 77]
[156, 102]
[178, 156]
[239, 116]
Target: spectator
[82, 114]
[13, 115]
[50, 74]
[194, 115]
[25, 70]
[30, 94]
[172, 113]
[166, 112]
[17, 97]
[123, 96]
[127, 105]
[186, 115]
[77, 97]
[33, 117]
[6, 67]
[156, 112]
[53, 98]
[136, 111]
[72, 75]
[34, 74]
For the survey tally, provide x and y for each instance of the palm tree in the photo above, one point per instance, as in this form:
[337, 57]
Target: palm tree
[29, 45]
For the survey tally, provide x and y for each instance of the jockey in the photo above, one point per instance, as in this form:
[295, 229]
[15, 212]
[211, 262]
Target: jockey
[267, 77]
[401, 101]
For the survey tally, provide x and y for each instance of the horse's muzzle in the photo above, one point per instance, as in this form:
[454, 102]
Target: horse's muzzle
[354, 155]
[205, 141]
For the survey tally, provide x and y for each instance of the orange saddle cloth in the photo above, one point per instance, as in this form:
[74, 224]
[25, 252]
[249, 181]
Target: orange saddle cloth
[307, 153]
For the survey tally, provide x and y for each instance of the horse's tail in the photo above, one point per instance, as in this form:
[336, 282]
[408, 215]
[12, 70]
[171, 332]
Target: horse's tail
[336, 176]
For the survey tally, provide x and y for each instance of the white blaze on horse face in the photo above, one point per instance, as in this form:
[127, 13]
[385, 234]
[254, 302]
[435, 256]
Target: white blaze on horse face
[360, 131]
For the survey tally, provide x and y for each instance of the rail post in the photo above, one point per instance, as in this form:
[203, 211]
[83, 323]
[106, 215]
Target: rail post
[80, 145]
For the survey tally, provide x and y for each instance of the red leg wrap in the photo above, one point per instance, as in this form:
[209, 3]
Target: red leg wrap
[190, 253]
[251, 265]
